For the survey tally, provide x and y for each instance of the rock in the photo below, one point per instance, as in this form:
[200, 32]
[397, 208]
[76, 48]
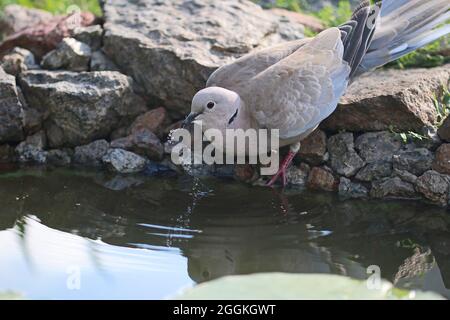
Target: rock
[18, 61]
[377, 146]
[308, 21]
[143, 142]
[6, 153]
[344, 159]
[45, 36]
[321, 178]
[154, 120]
[70, 54]
[441, 163]
[434, 186]
[171, 47]
[92, 153]
[15, 18]
[123, 161]
[350, 190]
[245, 173]
[402, 99]
[444, 130]
[416, 161]
[313, 149]
[100, 62]
[32, 121]
[59, 157]
[375, 171]
[298, 176]
[392, 188]
[405, 176]
[32, 149]
[81, 107]
[431, 140]
[91, 35]
[11, 110]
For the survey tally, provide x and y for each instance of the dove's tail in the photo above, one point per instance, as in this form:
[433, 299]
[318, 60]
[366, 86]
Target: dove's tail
[401, 26]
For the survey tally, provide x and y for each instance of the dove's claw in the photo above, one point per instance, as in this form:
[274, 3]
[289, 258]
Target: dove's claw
[282, 170]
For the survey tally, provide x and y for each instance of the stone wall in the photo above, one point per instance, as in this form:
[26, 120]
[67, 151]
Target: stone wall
[108, 95]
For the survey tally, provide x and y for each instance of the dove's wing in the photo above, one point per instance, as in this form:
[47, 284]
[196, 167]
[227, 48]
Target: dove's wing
[232, 76]
[297, 93]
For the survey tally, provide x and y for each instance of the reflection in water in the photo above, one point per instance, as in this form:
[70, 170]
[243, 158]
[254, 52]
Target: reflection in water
[139, 237]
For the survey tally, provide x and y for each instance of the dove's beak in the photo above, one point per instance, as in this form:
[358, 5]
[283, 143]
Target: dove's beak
[189, 119]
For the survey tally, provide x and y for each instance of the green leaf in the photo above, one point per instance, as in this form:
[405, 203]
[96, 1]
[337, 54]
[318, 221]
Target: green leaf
[284, 286]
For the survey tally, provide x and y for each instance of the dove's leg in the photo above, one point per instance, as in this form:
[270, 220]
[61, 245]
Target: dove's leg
[294, 148]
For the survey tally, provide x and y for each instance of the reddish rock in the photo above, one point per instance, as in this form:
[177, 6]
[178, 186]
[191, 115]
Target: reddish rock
[154, 120]
[15, 18]
[45, 36]
[322, 179]
[434, 186]
[245, 173]
[441, 162]
[402, 99]
[314, 148]
[143, 142]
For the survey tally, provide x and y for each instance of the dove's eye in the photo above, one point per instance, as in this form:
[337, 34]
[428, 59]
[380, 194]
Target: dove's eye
[210, 105]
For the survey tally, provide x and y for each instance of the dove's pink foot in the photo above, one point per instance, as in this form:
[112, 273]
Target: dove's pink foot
[282, 170]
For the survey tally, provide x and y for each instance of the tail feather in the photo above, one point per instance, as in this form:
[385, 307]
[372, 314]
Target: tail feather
[404, 26]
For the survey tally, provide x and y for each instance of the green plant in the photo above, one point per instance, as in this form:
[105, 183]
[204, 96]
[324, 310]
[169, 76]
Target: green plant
[408, 136]
[432, 55]
[442, 104]
[57, 7]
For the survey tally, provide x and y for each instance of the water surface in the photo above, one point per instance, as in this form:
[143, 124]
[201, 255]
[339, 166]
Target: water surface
[70, 234]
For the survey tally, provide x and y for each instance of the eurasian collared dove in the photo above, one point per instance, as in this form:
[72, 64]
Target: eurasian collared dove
[294, 86]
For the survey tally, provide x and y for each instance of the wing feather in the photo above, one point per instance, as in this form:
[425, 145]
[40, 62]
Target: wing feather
[297, 93]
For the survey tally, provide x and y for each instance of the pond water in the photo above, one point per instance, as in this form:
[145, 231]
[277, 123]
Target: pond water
[70, 234]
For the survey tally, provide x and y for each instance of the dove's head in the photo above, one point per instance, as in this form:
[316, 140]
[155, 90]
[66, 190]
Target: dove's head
[215, 107]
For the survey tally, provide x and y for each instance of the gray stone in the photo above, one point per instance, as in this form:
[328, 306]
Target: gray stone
[92, 153]
[343, 157]
[431, 140]
[351, 190]
[91, 35]
[399, 99]
[405, 176]
[59, 157]
[70, 55]
[11, 110]
[377, 146]
[392, 188]
[298, 176]
[123, 161]
[32, 149]
[81, 107]
[415, 161]
[434, 186]
[375, 171]
[171, 47]
[100, 62]
[18, 61]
